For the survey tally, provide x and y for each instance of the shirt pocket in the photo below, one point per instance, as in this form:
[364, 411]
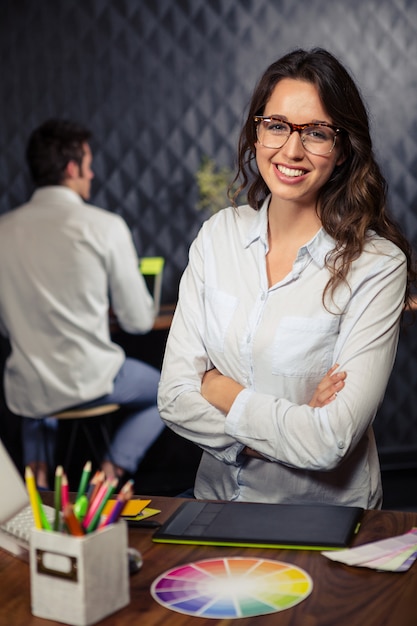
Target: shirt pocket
[220, 308]
[304, 347]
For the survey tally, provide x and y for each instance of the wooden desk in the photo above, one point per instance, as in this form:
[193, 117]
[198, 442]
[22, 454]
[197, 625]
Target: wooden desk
[164, 317]
[162, 321]
[342, 595]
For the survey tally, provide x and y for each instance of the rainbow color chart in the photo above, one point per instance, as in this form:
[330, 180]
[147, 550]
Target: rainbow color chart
[231, 588]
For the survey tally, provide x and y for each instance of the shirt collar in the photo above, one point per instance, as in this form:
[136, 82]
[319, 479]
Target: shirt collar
[56, 193]
[318, 247]
[258, 226]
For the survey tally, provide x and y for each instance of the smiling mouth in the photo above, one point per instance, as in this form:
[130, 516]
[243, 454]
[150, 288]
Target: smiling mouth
[290, 172]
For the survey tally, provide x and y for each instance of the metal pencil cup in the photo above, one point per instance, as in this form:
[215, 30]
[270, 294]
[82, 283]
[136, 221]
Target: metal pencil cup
[79, 580]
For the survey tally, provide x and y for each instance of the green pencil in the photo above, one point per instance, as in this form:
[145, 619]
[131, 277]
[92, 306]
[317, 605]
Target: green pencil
[44, 520]
[84, 480]
[57, 495]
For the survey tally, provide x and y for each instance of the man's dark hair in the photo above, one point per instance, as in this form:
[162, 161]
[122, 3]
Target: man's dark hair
[51, 147]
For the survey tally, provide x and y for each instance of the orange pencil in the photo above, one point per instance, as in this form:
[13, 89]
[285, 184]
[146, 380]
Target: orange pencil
[71, 522]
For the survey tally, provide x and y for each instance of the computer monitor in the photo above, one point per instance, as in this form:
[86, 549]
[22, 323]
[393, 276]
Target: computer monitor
[152, 268]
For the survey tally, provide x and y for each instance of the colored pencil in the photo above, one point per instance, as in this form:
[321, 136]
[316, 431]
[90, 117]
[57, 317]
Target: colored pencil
[95, 503]
[123, 497]
[111, 488]
[64, 491]
[71, 522]
[33, 496]
[57, 495]
[44, 520]
[84, 480]
[94, 486]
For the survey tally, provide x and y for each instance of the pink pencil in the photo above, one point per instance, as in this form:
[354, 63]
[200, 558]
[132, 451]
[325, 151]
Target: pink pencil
[92, 509]
[64, 491]
[112, 484]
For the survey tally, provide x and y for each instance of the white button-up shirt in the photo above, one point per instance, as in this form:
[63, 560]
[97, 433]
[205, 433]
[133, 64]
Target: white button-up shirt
[278, 342]
[62, 262]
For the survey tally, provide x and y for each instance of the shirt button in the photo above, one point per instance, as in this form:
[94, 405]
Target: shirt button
[263, 296]
[341, 444]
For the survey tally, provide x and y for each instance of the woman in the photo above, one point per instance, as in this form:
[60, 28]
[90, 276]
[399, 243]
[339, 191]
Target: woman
[310, 277]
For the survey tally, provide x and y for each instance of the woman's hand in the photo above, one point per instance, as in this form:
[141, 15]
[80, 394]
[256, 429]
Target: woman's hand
[327, 389]
[219, 390]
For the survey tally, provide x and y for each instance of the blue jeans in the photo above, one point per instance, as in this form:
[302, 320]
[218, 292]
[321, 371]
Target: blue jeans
[135, 389]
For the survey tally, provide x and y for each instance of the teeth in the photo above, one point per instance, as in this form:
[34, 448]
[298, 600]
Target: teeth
[288, 172]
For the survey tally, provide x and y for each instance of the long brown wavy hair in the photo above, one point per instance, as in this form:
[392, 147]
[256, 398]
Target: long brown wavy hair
[354, 199]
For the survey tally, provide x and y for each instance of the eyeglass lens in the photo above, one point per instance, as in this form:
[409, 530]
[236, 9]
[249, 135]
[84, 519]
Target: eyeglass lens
[317, 139]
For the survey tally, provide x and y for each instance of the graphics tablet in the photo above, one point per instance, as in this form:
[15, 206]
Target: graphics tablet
[314, 527]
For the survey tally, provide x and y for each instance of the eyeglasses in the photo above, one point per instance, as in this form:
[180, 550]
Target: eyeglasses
[317, 138]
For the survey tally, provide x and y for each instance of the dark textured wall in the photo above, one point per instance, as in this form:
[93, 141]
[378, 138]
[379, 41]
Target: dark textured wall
[163, 82]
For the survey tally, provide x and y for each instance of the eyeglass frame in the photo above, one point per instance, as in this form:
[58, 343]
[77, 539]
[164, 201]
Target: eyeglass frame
[296, 128]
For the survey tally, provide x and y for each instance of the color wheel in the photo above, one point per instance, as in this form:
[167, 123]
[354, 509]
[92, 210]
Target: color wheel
[231, 588]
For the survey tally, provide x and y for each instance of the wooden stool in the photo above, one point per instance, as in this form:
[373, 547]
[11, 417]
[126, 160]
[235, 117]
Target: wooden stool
[79, 417]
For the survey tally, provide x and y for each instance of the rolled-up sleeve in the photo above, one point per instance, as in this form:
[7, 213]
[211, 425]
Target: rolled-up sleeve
[180, 402]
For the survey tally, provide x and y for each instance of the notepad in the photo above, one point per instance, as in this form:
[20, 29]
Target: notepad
[314, 527]
[132, 508]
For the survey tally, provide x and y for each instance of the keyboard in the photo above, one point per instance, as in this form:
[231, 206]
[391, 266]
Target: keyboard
[15, 534]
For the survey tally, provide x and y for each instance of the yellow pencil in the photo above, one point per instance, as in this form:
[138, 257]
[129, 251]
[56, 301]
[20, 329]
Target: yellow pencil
[33, 496]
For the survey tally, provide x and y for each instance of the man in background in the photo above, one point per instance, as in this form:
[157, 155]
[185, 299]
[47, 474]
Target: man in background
[63, 264]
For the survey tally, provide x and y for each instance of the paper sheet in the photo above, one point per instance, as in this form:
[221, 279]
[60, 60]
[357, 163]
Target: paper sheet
[131, 509]
[395, 554]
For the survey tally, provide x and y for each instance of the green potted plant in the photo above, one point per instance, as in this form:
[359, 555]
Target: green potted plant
[213, 184]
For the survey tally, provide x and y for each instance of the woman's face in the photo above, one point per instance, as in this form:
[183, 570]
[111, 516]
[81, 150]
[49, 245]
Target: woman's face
[292, 173]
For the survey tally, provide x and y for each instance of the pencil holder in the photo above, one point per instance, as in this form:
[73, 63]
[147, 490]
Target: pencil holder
[79, 580]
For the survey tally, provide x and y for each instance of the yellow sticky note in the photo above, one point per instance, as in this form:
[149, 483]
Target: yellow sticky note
[131, 509]
[147, 512]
